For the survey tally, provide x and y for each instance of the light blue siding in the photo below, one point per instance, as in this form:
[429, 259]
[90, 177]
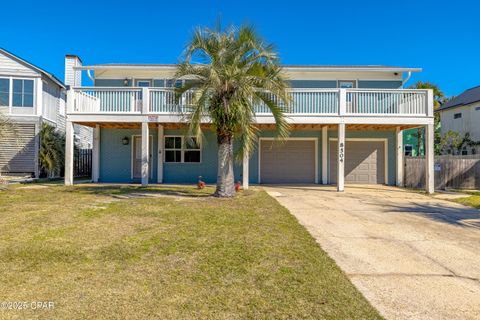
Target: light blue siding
[313, 83]
[327, 84]
[111, 83]
[159, 83]
[379, 84]
[115, 158]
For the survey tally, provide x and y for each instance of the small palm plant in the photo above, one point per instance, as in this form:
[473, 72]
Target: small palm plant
[52, 150]
[231, 72]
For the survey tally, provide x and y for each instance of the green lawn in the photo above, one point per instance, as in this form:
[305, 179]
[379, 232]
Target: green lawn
[472, 200]
[166, 253]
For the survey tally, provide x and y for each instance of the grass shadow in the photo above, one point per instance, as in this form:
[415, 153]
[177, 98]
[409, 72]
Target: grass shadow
[121, 191]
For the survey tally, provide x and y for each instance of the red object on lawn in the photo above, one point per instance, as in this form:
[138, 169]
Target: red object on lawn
[200, 183]
[238, 185]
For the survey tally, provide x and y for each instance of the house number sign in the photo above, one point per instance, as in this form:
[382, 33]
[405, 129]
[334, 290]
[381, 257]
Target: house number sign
[341, 152]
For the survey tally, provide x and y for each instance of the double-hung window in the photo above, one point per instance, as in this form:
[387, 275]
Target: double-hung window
[182, 150]
[4, 92]
[22, 93]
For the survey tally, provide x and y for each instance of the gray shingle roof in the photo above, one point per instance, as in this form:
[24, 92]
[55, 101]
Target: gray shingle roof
[467, 97]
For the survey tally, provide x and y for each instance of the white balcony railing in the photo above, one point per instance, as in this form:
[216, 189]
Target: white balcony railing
[329, 102]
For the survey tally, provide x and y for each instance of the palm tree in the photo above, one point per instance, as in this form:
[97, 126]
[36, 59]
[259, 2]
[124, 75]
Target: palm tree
[52, 150]
[231, 72]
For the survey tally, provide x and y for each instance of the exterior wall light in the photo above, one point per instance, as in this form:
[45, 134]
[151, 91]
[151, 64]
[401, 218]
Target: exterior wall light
[125, 141]
[125, 82]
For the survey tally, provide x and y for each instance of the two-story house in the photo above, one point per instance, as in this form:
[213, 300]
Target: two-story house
[29, 96]
[462, 115]
[347, 127]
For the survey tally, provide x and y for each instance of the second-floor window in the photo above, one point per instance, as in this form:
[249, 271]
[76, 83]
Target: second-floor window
[22, 93]
[4, 92]
[457, 116]
[346, 84]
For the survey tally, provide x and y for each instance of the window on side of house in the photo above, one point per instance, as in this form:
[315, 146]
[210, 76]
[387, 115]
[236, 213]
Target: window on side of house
[22, 93]
[477, 108]
[144, 83]
[4, 92]
[464, 152]
[182, 150]
[346, 84]
[457, 115]
[408, 150]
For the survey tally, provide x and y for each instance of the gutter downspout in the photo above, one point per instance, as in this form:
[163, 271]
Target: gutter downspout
[90, 75]
[409, 74]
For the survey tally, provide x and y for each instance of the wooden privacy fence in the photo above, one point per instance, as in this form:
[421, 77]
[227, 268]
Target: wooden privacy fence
[450, 172]
[82, 163]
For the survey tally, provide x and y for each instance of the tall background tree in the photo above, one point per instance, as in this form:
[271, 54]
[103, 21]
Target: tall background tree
[230, 72]
[438, 99]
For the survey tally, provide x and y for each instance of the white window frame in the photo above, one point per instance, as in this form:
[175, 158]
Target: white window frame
[354, 82]
[137, 82]
[10, 93]
[33, 91]
[9, 90]
[182, 149]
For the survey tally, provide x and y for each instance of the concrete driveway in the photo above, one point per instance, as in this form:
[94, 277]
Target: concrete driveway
[411, 255]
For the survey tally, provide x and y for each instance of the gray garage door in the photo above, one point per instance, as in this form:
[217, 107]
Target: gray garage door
[291, 161]
[364, 162]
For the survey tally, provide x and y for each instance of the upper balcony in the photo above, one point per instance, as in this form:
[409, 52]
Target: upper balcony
[392, 106]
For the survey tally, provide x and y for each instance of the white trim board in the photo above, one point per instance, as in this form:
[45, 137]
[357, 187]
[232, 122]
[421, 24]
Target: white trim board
[293, 138]
[385, 140]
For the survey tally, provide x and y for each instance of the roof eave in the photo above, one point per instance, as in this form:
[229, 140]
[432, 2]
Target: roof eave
[47, 74]
[291, 69]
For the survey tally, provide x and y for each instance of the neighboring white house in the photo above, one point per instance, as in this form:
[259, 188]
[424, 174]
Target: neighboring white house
[462, 115]
[29, 97]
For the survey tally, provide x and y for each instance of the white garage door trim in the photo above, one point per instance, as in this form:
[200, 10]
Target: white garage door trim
[385, 140]
[300, 139]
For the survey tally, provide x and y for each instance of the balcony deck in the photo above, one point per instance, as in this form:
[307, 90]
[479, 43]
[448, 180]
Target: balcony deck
[309, 106]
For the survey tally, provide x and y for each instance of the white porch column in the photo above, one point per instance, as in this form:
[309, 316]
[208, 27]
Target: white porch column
[400, 154]
[341, 157]
[324, 154]
[245, 173]
[69, 146]
[429, 158]
[145, 153]
[160, 154]
[96, 154]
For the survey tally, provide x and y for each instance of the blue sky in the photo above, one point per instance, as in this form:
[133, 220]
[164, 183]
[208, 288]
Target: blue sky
[442, 37]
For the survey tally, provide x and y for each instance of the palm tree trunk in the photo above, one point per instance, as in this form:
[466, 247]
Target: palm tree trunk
[225, 178]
